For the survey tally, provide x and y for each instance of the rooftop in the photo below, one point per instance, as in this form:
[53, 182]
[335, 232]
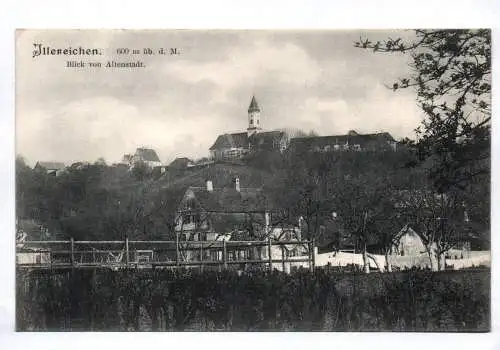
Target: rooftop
[50, 165]
[241, 139]
[254, 106]
[147, 154]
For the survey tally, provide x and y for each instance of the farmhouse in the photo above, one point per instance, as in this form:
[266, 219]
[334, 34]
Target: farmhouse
[233, 214]
[142, 155]
[207, 212]
[236, 145]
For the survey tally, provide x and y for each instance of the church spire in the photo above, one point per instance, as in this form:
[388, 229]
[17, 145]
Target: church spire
[254, 125]
[254, 106]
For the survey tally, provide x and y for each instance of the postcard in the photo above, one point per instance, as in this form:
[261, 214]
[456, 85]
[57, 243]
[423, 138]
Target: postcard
[253, 180]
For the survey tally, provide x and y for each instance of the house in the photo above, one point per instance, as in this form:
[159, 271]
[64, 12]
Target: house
[352, 141]
[237, 145]
[409, 250]
[28, 254]
[181, 163]
[287, 233]
[408, 242]
[159, 170]
[233, 214]
[79, 165]
[51, 168]
[143, 155]
[147, 156]
[206, 213]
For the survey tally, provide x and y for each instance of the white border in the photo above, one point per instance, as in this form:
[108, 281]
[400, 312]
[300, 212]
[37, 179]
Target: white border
[236, 15]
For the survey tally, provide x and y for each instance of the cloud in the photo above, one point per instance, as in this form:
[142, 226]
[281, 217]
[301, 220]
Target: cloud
[104, 127]
[179, 104]
[248, 64]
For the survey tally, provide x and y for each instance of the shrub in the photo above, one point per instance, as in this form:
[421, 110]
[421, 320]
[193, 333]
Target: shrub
[253, 301]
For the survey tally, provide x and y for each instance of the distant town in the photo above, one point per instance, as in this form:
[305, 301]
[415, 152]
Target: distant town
[236, 146]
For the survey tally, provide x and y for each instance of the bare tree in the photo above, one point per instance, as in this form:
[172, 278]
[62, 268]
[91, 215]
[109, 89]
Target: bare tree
[439, 220]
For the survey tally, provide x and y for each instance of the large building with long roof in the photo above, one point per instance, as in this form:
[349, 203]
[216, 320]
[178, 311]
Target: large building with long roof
[351, 141]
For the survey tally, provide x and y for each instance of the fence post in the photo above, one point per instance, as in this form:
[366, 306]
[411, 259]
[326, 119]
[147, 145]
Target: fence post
[224, 253]
[310, 254]
[270, 254]
[72, 258]
[313, 255]
[201, 256]
[127, 256]
[283, 258]
[177, 249]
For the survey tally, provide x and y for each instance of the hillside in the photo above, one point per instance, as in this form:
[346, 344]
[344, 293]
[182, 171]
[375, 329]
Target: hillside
[221, 175]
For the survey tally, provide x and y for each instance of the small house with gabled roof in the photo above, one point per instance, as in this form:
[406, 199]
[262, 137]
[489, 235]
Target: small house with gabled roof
[144, 155]
[51, 168]
[181, 163]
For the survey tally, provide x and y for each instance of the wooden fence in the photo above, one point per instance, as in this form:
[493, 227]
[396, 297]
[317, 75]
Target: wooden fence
[126, 254]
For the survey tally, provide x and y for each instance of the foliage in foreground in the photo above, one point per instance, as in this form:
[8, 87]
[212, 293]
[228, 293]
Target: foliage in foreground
[255, 301]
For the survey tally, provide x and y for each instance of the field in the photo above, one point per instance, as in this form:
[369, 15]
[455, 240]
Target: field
[89, 300]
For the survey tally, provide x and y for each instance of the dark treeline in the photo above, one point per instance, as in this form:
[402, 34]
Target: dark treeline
[94, 201]
[343, 198]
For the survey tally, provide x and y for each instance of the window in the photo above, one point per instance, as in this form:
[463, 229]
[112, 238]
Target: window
[186, 218]
[251, 121]
[214, 255]
[257, 121]
[143, 259]
[38, 259]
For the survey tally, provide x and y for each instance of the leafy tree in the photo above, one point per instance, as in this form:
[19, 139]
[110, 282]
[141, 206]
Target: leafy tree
[141, 171]
[451, 74]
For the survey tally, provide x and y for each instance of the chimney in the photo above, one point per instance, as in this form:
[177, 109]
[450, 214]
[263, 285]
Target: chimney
[237, 184]
[268, 223]
[301, 226]
[210, 186]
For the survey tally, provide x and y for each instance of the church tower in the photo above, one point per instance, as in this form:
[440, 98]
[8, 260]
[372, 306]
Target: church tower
[254, 125]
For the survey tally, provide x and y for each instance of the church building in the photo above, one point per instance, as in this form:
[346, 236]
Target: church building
[236, 145]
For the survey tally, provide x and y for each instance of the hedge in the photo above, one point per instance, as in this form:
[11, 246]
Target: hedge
[188, 300]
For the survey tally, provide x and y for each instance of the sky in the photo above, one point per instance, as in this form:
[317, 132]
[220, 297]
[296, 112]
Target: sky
[179, 104]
